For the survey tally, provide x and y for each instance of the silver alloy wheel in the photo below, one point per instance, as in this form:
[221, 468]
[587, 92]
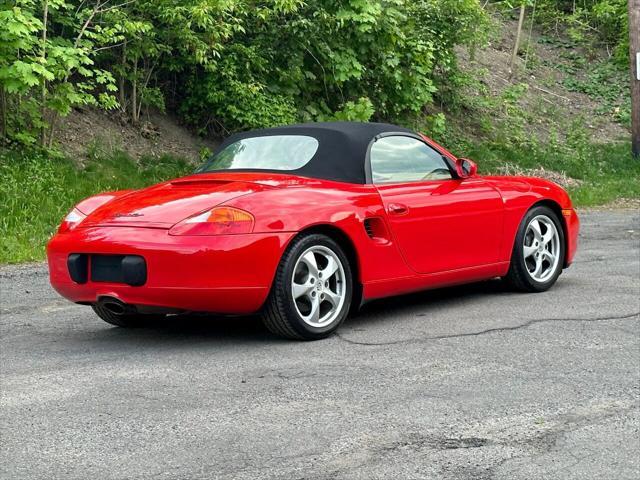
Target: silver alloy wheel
[318, 286]
[541, 248]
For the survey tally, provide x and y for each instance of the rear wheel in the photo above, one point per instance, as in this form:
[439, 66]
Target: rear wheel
[127, 320]
[312, 290]
[538, 253]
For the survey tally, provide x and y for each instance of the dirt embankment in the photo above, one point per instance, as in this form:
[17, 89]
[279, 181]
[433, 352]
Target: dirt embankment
[155, 135]
[544, 66]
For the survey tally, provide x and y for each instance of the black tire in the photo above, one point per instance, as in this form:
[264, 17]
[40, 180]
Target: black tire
[127, 320]
[519, 276]
[280, 314]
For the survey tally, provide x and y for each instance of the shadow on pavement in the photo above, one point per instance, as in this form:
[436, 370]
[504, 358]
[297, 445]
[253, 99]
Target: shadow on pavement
[249, 329]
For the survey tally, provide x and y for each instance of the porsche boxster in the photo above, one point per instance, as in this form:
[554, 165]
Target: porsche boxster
[303, 224]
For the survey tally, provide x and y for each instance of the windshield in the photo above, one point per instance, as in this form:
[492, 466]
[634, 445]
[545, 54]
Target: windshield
[275, 152]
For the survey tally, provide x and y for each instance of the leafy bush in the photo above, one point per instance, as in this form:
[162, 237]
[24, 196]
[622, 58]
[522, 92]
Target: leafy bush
[229, 65]
[597, 23]
[44, 73]
[608, 84]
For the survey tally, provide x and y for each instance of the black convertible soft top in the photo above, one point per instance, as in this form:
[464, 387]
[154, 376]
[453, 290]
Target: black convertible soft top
[342, 147]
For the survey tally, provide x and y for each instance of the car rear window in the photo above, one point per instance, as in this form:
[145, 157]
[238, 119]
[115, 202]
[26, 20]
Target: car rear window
[274, 152]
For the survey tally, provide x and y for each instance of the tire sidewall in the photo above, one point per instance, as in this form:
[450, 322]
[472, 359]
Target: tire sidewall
[518, 249]
[296, 250]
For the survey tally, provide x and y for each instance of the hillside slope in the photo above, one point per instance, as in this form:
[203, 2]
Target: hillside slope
[542, 98]
[90, 130]
[555, 85]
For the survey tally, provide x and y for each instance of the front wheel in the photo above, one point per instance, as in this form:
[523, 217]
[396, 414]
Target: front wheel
[312, 290]
[538, 253]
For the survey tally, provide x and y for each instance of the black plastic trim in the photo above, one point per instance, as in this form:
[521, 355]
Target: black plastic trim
[77, 264]
[134, 270]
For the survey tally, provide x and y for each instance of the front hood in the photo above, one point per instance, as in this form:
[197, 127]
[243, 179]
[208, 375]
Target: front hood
[165, 204]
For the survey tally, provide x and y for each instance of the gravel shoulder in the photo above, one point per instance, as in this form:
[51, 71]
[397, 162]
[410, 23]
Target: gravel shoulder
[471, 382]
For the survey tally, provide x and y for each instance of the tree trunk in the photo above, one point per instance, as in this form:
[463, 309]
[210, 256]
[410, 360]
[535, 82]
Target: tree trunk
[52, 129]
[3, 115]
[121, 81]
[516, 47]
[634, 52]
[134, 93]
[43, 92]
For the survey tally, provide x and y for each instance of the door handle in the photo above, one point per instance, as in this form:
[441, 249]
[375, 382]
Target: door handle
[398, 209]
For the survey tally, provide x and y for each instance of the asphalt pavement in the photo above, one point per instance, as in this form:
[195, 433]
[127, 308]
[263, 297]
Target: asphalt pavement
[471, 382]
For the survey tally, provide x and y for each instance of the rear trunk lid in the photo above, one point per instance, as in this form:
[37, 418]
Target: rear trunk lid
[165, 204]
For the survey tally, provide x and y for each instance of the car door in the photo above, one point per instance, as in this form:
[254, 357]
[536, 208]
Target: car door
[439, 222]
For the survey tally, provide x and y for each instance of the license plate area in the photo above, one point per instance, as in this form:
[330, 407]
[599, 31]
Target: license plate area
[127, 269]
[107, 268]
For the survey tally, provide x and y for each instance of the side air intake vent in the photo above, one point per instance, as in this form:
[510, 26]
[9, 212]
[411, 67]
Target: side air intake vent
[376, 230]
[369, 228]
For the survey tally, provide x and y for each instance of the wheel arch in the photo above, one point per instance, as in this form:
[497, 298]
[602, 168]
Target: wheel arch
[557, 209]
[348, 246]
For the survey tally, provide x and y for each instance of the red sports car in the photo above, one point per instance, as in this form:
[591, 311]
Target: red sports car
[303, 223]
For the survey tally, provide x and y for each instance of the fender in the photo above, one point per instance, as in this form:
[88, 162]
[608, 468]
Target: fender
[519, 194]
[94, 202]
[345, 206]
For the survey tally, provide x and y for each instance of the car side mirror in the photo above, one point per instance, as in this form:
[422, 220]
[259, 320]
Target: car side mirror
[466, 168]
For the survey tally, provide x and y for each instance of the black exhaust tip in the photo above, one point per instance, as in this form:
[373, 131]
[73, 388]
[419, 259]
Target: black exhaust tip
[115, 306]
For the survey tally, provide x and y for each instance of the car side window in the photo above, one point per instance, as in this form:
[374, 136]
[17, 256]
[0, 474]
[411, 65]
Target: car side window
[397, 159]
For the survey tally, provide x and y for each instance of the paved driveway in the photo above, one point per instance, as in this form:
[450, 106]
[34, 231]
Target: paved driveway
[469, 382]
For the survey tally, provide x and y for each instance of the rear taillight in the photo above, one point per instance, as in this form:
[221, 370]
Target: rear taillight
[218, 221]
[71, 221]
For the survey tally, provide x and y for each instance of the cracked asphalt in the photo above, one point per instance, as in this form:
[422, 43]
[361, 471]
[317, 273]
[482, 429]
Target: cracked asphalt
[472, 382]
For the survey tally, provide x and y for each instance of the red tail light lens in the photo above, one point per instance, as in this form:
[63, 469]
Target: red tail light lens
[71, 221]
[219, 221]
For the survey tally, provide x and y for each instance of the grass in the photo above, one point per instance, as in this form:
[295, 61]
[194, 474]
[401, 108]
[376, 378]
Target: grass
[38, 189]
[606, 172]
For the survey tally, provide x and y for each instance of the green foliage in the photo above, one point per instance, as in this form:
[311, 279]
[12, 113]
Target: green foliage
[606, 171]
[511, 95]
[45, 71]
[229, 65]
[232, 65]
[436, 124]
[607, 84]
[359, 111]
[590, 23]
[38, 189]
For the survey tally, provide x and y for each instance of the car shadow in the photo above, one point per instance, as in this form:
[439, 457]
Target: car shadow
[249, 329]
[199, 326]
[425, 302]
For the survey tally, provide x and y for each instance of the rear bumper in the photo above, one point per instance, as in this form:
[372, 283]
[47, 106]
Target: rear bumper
[572, 224]
[228, 274]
